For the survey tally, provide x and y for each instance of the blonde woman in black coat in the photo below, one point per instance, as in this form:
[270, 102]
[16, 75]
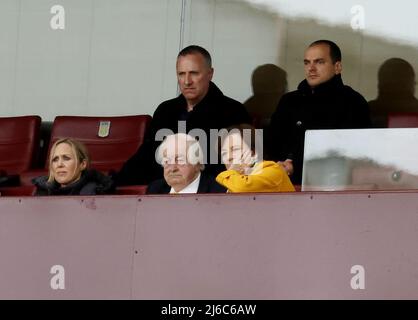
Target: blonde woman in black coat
[69, 173]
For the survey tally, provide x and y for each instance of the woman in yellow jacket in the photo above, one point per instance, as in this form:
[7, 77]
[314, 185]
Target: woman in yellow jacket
[246, 171]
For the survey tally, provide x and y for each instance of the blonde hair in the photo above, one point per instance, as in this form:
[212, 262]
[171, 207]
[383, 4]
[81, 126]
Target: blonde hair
[79, 151]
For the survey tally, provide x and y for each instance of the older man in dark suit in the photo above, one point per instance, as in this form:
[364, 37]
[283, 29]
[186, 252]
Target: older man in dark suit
[182, 159]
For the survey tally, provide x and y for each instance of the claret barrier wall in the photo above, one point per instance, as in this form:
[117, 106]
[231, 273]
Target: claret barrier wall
[339, 245]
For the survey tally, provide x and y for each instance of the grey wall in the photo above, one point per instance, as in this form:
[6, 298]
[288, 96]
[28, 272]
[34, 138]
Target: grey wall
[118, 57]
[113, 58]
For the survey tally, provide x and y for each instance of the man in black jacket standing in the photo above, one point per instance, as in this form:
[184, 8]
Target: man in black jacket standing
[201, 105]
[322, 101]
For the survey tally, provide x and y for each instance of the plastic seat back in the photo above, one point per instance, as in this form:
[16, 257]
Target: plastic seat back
[19, 143]
[111, 141]
[403, 120]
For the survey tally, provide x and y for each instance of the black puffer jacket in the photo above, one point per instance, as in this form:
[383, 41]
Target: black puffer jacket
[91, 182]
[331, 105]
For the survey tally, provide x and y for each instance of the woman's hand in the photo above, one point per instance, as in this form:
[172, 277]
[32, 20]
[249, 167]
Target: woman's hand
[287, 166]
[239, 167]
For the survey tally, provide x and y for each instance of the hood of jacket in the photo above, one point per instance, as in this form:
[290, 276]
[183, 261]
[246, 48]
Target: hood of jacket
[102, 183]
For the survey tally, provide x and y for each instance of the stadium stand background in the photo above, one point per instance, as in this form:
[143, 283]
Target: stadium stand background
[118, 57]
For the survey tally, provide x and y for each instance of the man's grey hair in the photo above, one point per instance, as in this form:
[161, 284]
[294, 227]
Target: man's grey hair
[193, 49]
[180, 144]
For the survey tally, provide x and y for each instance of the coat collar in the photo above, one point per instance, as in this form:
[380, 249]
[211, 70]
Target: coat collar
[213, 93]
[335, 83]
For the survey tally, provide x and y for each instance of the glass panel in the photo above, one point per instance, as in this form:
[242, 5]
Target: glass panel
[361, 159]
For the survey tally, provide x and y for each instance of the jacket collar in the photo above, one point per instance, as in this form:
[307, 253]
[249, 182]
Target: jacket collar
[202, 188]
[55, 188]
[331, 85]
[213, 93]
[103, 182]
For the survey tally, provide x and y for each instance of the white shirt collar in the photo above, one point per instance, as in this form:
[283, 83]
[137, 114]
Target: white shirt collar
[191, 188]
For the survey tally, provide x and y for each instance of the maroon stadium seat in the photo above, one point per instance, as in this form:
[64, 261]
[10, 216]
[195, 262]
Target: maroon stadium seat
[403, 120]
[110, 140]
[17, 191]
[27, 176]
[131, 190]
[19, 143]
